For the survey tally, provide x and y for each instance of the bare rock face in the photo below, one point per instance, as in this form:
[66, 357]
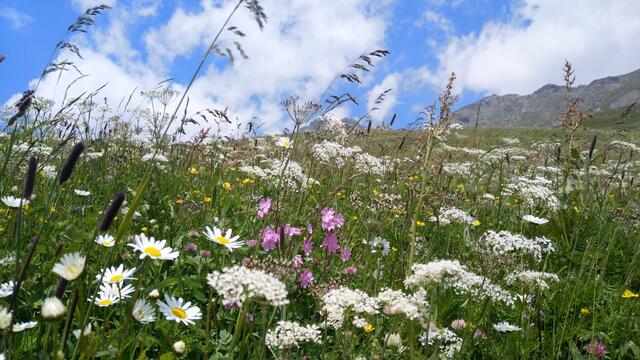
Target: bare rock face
[541, 108]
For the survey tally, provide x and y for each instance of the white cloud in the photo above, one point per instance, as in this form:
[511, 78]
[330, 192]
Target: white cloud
[83, 5]
[527, 51]
[302, 48]
[16, 19]
[391, 81]
[436, 19]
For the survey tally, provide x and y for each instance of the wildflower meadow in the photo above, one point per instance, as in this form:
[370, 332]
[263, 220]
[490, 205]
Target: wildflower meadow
[341, 241]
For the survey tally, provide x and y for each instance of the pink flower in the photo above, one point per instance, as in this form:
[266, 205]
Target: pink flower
[297, 261]
[190, 246]
[309, 229]
[345, 254]
[351, 270]
[479, 334]
[307, 246]
[290, 230]
[252, 243]
[331, 220]
[269, 239]
[596, 348]
[205, 253]
[458, 324]
[306, 278]
[264, 205]
[330, 243]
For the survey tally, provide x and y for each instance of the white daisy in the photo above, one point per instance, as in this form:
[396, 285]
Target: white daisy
[104, 299]
[5, 318]
[121, 292]
[6, 289]
[223, 239]
[115, 275]
[81, 192]
[284, 142]
[14, 202]
[143, 312]
[53, 308]
[105, 240]
[70, 266]
[505, 327]
[534, 219]
[24, 326]
[153, 249]
[87, 331]
[380, 244]
[179, 311]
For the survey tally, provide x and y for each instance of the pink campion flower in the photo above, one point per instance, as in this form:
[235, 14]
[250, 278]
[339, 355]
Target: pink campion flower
[351, 270]
[330, 243]
[596, 348]
[269, 239]
[252, 243]
[345, 254]
[307, 246]
[297, 261]
[309, 229]
[290, 230]
[306, 278]
[331, 220]
[264, 205]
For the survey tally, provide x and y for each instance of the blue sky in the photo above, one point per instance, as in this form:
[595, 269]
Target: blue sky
[495, 46]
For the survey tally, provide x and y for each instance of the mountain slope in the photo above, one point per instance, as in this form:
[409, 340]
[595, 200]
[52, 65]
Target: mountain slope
[603, 98]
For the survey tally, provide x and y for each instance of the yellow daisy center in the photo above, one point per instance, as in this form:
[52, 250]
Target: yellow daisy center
[116, 278]
[222, 240]
[285, 144]
[107, 243]
[105, 302]
[153, 251]
[178, 312]
[72, 269]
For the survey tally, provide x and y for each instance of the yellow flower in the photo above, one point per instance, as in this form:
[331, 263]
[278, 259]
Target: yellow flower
[25, 207]
[339, 193]
[368, 328]
[52, 209]
[207, 200]
[179, 201]
[247, 181]
[584, 312]
[354, 217]
[476, 223]
[144, 229]
[628, 294]
[193, 171]
[420, 223]
[227, 186]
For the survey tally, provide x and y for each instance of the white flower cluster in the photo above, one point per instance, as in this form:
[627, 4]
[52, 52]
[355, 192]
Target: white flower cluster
[463, 169]
[449, 215]
[451, 274]
[550, 169]
[510, 141]
[532, 278]
[505, 243]
[545, 145]
[338, 301]
[237, 284]
[448, 342]
[414, 306]
[624, 144]
[293, 176]
[469, 151]
[289, 333]
[368, 163]
[534, 191]
[334, 154]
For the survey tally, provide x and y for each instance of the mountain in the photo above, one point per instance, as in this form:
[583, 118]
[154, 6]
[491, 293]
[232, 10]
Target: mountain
[321, 124]
[609, 100]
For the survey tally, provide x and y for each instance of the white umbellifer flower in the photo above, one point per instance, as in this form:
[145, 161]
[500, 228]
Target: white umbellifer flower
[463, 169]
[488, 196]
[149, 247]
[223, 239]
[49, 171]
[367, 163]
[533, 191]
[510, 141]
[449, 215]
[70, 266]
[624, 144]
[6, 289]
[24, 326]
[155, 157]
[14, 202]
[115, 275]
[82, 193]
[288, 334]
[95, 155]
[338, 301]
[179, 347]
[505, 327]
[413, 307]
[380, 244]
[154, 294]
[534, 219]
[105, 240]
[236, 284]
[289, 173]
[451, 274]
[504, 243]
[143, 312]
[5, 318]
[448, 342]
[10, 259]
[177, 310]
[52, 308]
[532, 278]
[334, 154]
[284, 142]
[87, 331]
